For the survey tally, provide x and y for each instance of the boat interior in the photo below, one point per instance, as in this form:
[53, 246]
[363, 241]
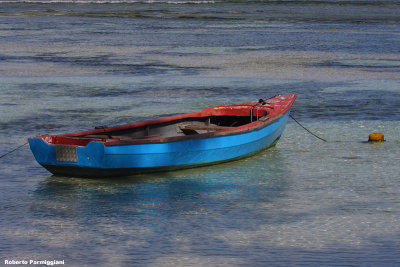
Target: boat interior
[182, 127]
[210, 120]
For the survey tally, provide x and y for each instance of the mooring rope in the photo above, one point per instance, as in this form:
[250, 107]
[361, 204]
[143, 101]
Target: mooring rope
[307, 129]
[15, 149]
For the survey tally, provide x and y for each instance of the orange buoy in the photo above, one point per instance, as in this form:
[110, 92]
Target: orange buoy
[376, 137]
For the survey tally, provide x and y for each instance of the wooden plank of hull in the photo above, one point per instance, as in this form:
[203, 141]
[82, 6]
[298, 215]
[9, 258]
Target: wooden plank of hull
[87, 172]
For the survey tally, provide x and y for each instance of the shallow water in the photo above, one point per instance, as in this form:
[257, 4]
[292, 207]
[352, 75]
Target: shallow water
[67, 67]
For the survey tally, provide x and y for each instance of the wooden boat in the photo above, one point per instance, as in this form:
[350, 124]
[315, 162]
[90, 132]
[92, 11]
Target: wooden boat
[210, 136]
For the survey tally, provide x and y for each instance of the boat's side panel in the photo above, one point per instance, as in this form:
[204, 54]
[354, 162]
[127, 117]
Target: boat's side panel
[132, 158]
[194, 151]
[88, 156]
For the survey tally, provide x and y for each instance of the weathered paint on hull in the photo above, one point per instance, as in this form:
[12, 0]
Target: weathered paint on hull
[113, 172]
[99, 160]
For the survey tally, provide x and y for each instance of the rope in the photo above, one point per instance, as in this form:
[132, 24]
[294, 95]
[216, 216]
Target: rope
[15, 149]
[307, 129]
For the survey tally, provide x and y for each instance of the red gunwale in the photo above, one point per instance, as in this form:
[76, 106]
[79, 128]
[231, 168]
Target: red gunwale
[275, 109]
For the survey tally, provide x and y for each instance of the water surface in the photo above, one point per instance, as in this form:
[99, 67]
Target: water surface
[69, 66]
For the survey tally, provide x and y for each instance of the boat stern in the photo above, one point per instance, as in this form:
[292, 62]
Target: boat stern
[51, 155]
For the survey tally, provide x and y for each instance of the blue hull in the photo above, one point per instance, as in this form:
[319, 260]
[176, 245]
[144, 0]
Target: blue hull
[97, 159]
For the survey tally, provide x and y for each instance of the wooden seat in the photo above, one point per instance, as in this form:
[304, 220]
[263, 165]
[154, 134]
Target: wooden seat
[196, 127]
